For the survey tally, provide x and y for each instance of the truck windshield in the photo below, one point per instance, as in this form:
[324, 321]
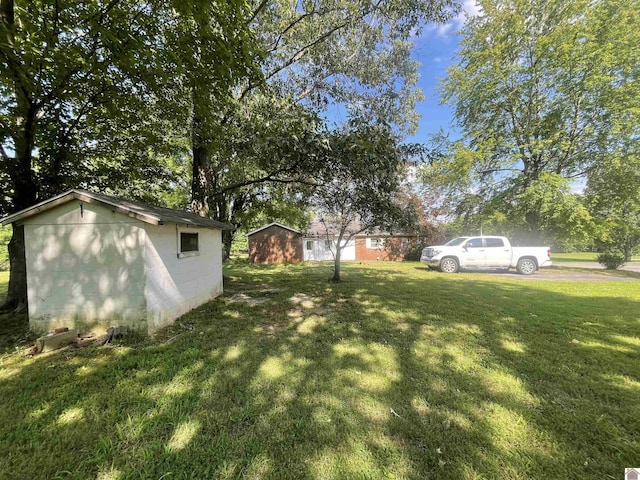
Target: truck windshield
[456, 241]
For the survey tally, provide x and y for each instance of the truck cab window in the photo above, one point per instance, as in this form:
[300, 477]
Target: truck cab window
[494, 242]
[474, 243]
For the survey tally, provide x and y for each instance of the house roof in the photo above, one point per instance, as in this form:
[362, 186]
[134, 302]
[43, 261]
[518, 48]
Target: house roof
[318, 229]
[274, 224]
[144, 212]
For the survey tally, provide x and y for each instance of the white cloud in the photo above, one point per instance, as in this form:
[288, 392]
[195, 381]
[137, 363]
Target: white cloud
[437, 59]
[578, 186]
[469, 9]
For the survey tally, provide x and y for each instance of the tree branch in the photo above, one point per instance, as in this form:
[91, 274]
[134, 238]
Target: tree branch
[269, 178]
[293, 59]
[257, 11]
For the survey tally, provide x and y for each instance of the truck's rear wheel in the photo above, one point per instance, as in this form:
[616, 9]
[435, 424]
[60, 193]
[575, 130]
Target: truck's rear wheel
[449, 265]
[526, 266]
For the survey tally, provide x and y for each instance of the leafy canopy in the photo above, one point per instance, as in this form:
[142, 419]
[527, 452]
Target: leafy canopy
[535, 89]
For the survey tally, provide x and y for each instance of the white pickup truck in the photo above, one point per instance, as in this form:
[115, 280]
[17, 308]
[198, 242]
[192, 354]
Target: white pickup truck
[484, 253]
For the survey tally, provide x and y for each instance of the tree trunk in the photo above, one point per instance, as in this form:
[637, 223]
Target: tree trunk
[200, 178]
[25, 191]
[533, 224]
[227, 240]
[16, 300]
[336, 264]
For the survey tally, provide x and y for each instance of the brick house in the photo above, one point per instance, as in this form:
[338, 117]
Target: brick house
[275, 243]
[369, 245]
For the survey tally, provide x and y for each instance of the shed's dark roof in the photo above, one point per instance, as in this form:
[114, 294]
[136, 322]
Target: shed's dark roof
[318, 229]
[141, 211]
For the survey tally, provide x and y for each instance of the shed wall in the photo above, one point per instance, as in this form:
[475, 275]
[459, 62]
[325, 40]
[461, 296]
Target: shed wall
[177, 285]
[85, 268]
[275, 245]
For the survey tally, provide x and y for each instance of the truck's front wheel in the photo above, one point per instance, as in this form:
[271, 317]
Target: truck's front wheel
[526, 266]
[449, 265]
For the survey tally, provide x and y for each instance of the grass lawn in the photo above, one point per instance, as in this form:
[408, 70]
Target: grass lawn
[398, 372]
[580, 257]
[4, 283]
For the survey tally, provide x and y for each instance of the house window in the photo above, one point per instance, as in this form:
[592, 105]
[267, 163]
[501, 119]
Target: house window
[375, 243]
[309, 244]
[189, 244]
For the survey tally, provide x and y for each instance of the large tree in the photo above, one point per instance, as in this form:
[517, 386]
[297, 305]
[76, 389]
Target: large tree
[535, 88]
[352, 58]
[86, 89]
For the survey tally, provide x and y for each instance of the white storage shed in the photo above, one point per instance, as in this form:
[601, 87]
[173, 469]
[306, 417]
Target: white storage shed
[95, 261]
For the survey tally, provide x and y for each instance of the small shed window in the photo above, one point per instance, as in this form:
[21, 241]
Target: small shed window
[309, 244]
[188, 242]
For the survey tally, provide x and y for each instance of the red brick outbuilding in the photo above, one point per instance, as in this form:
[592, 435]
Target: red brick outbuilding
[275, 243]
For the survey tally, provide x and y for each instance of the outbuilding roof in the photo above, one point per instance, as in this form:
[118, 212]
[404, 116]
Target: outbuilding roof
[144, 212]
[319, 229]
[274, 224]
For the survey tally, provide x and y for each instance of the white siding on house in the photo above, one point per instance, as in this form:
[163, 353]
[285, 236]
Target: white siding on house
[320, 251]
[177, 285]
[85, 267]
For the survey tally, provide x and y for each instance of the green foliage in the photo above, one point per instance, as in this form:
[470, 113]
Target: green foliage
[5, 236]
[613, 197]
[536, 89]
[351, 55]
[560, 213]
[564, 222]
[240, 245]
[104, 88]
[357, 189]
[610, 260]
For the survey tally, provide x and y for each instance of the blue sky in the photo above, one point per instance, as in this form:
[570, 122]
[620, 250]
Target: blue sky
[435, 49]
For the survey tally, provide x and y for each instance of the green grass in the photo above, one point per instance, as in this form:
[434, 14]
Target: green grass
[581, 257]
[398, 372]
[574, 257]
[4, 283]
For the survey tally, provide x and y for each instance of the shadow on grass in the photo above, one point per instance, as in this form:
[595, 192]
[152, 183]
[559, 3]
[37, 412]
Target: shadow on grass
[14, 331]
[393, 373]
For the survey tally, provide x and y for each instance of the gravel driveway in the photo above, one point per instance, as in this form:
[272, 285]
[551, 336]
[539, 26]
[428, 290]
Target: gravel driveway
[568, 271]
